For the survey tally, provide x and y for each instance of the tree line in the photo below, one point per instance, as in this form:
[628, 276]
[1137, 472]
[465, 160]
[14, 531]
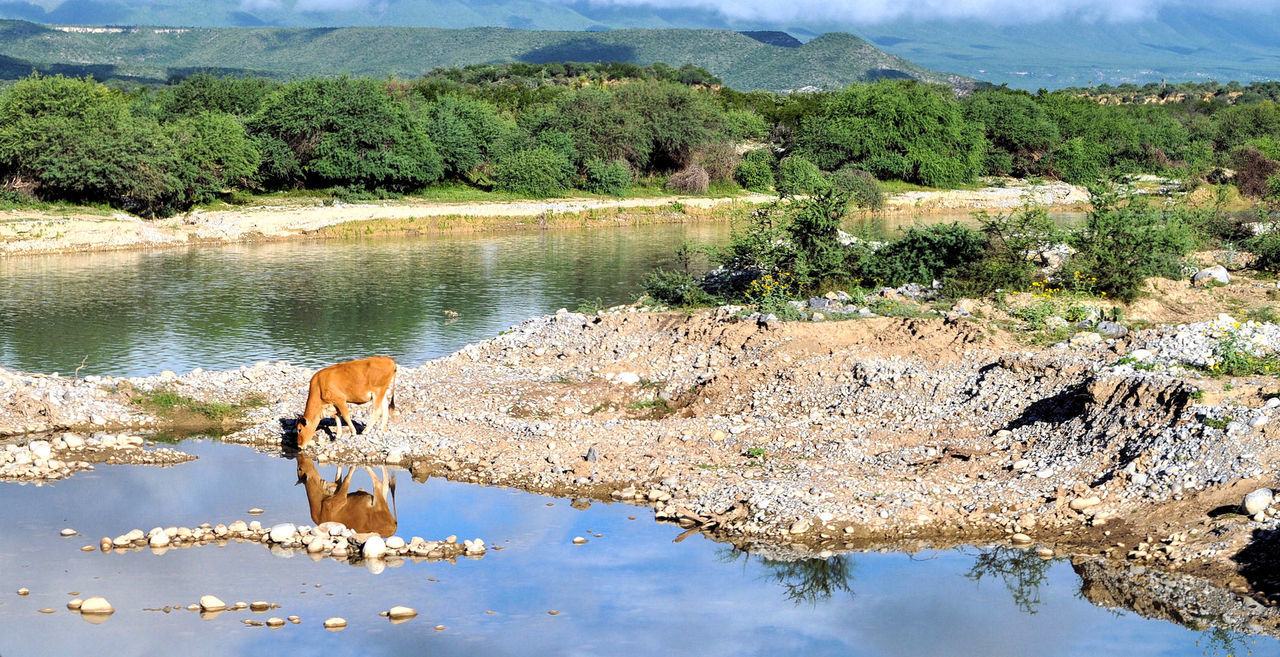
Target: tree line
[541, 130]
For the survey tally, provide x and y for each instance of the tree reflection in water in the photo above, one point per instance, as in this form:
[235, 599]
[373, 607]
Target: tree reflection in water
[803, 580]
[1022, 571]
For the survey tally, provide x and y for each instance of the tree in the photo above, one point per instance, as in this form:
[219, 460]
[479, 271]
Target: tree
[349, 132]
[218, 150]
[76, 140]
[464, 130]
[1017, 130]
[894, 129]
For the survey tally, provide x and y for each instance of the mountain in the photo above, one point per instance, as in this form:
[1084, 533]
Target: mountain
[1176, 41]
[150, 54]
[1180, 44]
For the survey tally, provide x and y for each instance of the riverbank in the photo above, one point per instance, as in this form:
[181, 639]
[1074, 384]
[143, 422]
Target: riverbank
[36, 232]
[811, 437]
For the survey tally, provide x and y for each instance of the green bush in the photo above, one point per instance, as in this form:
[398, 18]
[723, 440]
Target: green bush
[602, 177]
[1124, 242]
[756, 171]
[536, 172]
[1078, 161]
[1267, 249]
[675, 288]
[798, 176]
[216, 146]
[1011, 240]
[76, 140]
[348, 132]
[894, 129]
[863, 189]
[923, 255]
[745, 125]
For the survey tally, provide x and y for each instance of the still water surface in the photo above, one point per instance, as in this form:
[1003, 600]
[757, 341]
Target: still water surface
[632, 591]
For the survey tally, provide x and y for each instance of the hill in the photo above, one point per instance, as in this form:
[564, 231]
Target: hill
[151, 54]
[1178, 44]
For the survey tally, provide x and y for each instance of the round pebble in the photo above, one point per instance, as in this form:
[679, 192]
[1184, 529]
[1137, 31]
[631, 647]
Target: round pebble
[211, 603]
[335, 624]
[96, 605]
[275, 622]
[24, 591]
[69, 532]
[74, 604]
[578, 540]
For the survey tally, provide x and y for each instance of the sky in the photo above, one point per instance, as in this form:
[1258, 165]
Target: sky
[993, 11]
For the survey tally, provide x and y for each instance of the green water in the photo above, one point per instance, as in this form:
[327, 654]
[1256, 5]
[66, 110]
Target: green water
[310, 303]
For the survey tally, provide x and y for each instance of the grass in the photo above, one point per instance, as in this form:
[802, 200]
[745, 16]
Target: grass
[1218, 423]
[169, 404]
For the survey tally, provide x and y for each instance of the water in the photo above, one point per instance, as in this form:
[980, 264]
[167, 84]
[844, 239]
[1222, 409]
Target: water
[632, 591]
[310, 303]
[315, 303]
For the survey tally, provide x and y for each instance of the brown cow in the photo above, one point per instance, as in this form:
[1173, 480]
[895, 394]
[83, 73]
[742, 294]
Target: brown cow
[352, 382]
[361, 511]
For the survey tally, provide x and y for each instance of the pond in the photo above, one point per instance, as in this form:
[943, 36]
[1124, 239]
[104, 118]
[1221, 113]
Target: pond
[317, 302]
[630, 590]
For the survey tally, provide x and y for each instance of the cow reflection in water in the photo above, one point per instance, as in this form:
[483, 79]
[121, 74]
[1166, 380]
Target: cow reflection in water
[360, 511]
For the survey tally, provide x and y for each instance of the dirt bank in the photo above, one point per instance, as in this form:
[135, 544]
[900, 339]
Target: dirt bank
[34, 232]
[813, 437]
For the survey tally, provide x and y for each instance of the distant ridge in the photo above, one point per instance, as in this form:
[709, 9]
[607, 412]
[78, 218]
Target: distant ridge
[773, 38]
[775, 61]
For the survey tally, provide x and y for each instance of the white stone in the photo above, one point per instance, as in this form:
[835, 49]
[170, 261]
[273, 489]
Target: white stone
[627, 378]
[335, 623]
[1141, 355]
[1257, 501]
[159, 540]
[374, 548]
[282, 532]
[211, 603]
[40, 449]
[1082, 503]
[799, 527]
[400, 611]
[1214, 274]
[96, 605]
[395, 543]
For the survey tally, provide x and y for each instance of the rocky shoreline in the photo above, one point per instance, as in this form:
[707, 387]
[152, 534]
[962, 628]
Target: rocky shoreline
[34, 232]
[808, 438]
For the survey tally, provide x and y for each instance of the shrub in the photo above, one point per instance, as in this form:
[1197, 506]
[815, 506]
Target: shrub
[894, 129]
[537, 172]
[720, 159]
[1267, 249]
[798, 176]
[1012, 241]
[692, 180]
[1126, 241]
[756, 171]
[676, 288]
[863, 188]
[1079, 161]
[1253, 169]
[923, 255]
[744, 125]
[602, 177]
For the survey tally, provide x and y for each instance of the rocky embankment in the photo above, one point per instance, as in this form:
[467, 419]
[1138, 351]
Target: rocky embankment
[816, 437]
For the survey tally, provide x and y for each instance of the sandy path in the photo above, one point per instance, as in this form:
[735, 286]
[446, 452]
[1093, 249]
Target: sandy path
[36, 232]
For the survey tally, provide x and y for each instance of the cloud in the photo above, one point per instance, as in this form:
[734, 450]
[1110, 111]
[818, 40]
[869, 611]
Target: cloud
[330, 5]
[259, 5]
[992, 11]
